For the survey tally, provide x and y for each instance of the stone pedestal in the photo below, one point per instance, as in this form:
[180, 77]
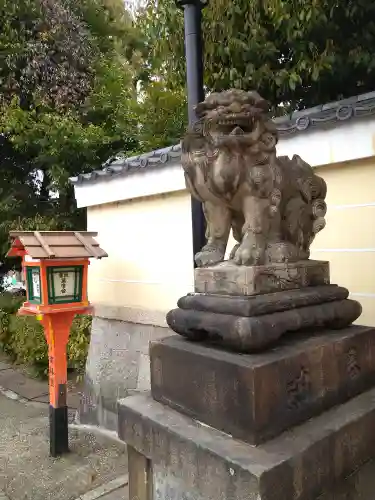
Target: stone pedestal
[270, 395]
[186, 460]
[253, 323]
[228, 279]
[267, 394]
[256, 397]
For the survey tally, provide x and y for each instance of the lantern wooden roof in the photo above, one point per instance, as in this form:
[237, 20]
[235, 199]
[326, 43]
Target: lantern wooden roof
[55, 245]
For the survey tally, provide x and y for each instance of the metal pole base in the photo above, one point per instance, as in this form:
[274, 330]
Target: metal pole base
[58, 431]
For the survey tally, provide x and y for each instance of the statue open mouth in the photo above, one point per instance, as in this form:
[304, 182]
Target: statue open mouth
[235, 124]
[237, 131]
[233, 130]
[233, 118]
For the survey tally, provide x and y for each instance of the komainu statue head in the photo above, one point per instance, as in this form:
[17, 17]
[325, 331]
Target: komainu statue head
[236, 118]
[274, 206]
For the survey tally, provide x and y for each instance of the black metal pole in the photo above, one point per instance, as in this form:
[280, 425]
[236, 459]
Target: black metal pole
[195, 94]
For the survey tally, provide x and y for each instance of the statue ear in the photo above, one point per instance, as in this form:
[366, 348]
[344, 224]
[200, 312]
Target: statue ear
[258, 101]
[263, 104]
[200, 108]
[198, 128]
[193, 137]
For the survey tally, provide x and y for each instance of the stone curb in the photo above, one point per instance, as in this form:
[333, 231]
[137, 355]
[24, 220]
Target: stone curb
[93, 429]
[104, 489]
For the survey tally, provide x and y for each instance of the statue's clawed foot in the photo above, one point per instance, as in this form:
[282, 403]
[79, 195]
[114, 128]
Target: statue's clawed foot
[210, 255]
[251, 252]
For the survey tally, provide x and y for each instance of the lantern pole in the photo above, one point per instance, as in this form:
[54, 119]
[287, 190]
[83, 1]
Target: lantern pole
[56, 329]
[195, 94]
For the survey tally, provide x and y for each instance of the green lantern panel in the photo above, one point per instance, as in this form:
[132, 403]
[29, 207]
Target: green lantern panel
[64, 284]
[34, 287]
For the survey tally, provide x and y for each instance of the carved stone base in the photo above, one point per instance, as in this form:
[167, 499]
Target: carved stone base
[256, 397]
[250, 324]
[183, 459]
[228, 279]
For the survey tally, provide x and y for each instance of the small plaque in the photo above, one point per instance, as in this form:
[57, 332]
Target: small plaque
[35, 278]
[64, 283]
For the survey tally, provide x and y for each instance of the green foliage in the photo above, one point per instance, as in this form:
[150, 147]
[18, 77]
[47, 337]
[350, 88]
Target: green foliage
[79, 343]
[110, 24]
[46, 53]
[22, 338]
[162, 116]
[66, 104]
[9, 303]
[25, 343]
[296, 53]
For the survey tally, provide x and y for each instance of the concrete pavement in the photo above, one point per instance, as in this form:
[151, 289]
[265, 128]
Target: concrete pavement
[95, 468]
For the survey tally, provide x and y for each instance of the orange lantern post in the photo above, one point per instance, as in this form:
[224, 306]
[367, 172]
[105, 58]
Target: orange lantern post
[55, 266]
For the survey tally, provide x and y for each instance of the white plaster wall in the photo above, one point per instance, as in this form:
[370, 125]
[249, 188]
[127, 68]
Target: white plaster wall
[149, 244]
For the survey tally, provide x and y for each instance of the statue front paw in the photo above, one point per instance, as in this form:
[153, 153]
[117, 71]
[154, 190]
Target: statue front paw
[251, 252]
[249, 256]
[210, 255]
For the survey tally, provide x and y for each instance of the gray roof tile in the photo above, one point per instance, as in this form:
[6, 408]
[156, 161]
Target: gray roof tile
[322, 116]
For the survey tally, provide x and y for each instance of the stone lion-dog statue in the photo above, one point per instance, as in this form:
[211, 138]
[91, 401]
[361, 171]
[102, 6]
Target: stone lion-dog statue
[274, 205]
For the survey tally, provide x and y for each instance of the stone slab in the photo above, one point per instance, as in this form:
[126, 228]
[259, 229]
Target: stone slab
[228, 279]
[207, 464]
[28, 388]
[247, 335]
[43, 398]
[19, 381]
[256, 397]
[256, 305]
[73, 398]
[5, 362]
[4, 365]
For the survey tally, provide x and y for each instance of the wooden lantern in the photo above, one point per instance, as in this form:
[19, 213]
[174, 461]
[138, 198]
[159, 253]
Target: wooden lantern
[55, 266]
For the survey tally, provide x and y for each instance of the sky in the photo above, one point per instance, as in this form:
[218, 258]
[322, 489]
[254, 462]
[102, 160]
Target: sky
[133, 5]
